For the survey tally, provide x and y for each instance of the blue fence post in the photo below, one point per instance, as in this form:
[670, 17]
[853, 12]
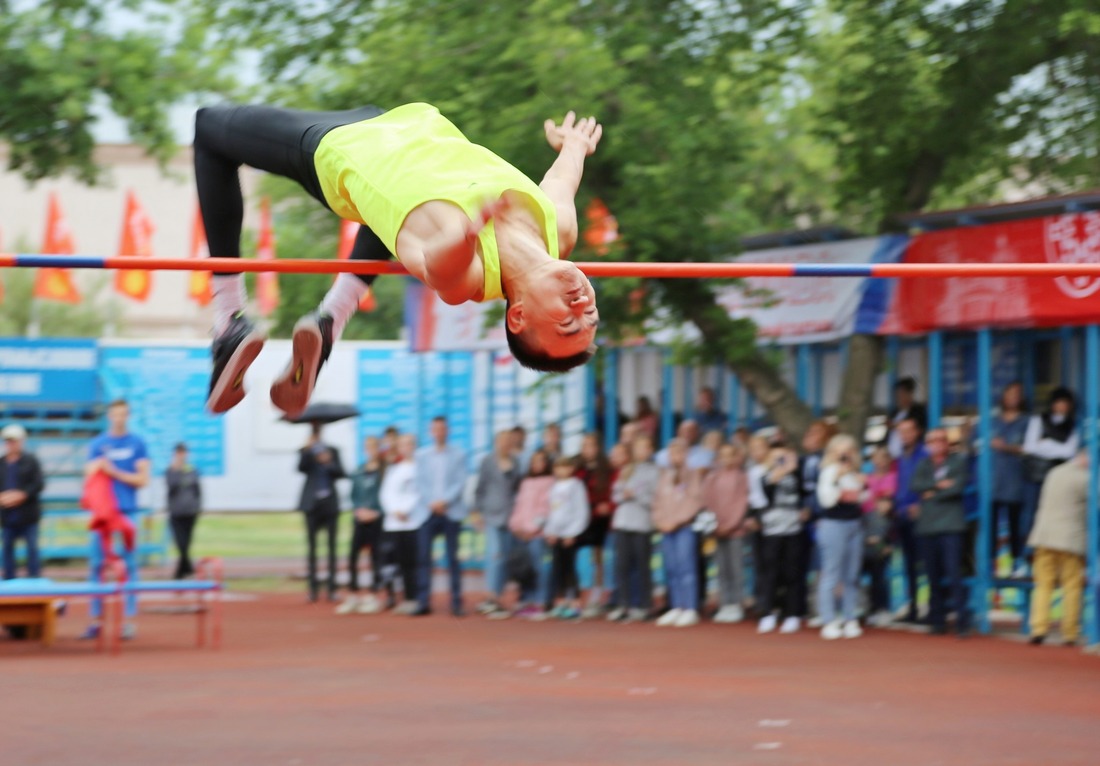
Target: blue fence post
[592, 384]
[818, 375]
[935, 378]
[1027, 357]
[802, 372]
[983, 570]
[689, 386]
[734, 386]
[490, 424]
[667, 406]
[1092, 435]
[1065, 341]
[611, 399]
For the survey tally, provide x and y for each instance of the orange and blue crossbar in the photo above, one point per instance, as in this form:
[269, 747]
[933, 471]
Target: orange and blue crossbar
[738, 270]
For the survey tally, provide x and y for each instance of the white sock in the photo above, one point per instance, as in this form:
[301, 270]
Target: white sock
[229, 298]
[342, 301]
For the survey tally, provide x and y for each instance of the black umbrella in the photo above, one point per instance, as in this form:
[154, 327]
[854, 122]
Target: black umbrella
[324, 412]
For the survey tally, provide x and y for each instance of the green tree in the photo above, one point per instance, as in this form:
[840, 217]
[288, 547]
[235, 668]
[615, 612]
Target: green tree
[22, 314]
[59, 59]
[948, 104]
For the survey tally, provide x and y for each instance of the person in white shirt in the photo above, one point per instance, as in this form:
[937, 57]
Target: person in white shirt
[402, 516]
[569, 515]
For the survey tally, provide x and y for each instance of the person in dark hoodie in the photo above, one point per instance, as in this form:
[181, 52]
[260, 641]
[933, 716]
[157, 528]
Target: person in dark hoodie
[184, 506]
[21, 483]
[1051, 438]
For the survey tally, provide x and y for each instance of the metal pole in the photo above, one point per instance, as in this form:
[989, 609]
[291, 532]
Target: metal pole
[1092, 436]
[984, 571]
[935, 378]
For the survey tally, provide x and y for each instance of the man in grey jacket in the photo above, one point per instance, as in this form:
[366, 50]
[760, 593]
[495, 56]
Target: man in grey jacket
[939, 481]
[1058, 537]
[494, 497]
[440, 480]
[184, 506]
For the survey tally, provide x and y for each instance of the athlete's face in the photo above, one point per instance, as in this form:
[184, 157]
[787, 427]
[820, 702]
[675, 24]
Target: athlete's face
[560, 315]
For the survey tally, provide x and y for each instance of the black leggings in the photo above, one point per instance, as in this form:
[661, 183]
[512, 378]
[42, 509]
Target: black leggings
[365, 535]
[279, 141]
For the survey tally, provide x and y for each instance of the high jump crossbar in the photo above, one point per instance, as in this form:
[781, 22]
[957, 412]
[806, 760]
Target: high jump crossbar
[591, 268]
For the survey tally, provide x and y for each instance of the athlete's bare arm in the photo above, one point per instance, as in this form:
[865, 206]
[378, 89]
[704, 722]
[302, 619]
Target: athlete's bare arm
[573, 140]
[438, 245]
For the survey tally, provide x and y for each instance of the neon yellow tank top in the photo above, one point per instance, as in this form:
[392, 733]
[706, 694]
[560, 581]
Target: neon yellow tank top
[379, 170]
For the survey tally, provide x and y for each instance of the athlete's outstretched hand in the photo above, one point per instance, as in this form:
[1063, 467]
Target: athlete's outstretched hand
[586, 131]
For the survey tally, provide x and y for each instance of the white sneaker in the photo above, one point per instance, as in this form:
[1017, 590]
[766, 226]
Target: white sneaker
[881, 619]
[815, 622]
[790, 625]
[616, 614]
[687, 618]
[592, 612]
[852, 629]
[1020, 572]
[766, 624]
[833, 630]
[723, 616]
[736, 613]
[669, 618]
[348, 605]
[637, 614]
[369, 605]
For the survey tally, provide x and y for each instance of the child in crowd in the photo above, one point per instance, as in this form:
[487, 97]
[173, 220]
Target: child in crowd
[878, 526]
[366, 484]
[568, 518]
[401, 519]
[755, 470]
[676, 504]
[632, 523]
[882, 481]
[595, 472]
[526, 523]
[780, 524]
[726, 495]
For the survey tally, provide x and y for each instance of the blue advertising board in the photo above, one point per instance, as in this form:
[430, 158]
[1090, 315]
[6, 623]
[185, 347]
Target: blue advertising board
[406, 390]
[48, 370]
[167, 387]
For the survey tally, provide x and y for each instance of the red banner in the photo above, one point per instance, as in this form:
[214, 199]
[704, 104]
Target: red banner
[267, 282]
[136, 240]
[198, 284]
[50, 283]
[920, 305]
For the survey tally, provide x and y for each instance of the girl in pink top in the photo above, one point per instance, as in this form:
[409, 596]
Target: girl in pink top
[726, 495]
[882, 481]
[526, 522]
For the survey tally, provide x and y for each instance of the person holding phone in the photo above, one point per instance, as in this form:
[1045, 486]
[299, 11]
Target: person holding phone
[840, 489]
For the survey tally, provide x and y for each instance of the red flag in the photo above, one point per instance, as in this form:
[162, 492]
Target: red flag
[55, 284]
[137, 240]
[198, 287]
[602, 229]
[348, 231]
[267, 282]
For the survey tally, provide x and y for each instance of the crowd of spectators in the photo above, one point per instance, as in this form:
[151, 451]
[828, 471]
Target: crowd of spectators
[813, 526]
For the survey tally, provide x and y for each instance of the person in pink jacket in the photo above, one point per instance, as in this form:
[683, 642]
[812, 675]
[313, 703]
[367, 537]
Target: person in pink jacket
[726, 495]
[677, 503]
[528, 518]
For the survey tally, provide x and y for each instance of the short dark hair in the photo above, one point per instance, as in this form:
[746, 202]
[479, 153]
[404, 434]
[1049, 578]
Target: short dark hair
[440, 419]
[540, 360]
[118, 403]
[908, 383]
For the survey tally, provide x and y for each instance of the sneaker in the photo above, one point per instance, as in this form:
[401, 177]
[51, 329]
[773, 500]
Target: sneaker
[815, 622]
[569, 613]
[1020, 572]
[526, 611]
[852, 629]
[790, 625]
[767, 624]
[406, 607]
[232, 351]
[487, 606]
[669, 618]
[348, 605]
[616, 614]
[311, 345]
[687, 618]
[881, 619]
[592, 612]
[729, 614]
[537, 615]
[91, 632]
[637, 614]
[833, 630]
[500, 613]
[129, 631]
[369, 605]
